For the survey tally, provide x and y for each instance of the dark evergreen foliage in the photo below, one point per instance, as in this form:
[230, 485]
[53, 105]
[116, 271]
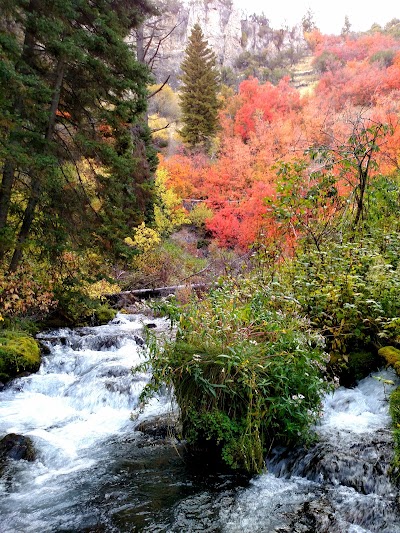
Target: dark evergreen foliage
[198, 95]
[71, 88]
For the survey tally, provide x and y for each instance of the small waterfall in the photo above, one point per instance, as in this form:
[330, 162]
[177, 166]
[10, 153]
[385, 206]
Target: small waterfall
[339, 485]
[94, 472]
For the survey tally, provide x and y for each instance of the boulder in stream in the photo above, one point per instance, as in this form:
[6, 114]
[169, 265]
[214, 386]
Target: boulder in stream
[160, 428]
[14, 446]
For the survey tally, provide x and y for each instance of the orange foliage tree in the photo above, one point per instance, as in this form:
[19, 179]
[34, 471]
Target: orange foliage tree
[354, 107]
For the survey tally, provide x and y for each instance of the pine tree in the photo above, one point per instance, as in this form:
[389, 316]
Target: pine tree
[198, 94]
[67, 75]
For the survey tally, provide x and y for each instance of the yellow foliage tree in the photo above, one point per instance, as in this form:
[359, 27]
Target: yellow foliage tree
[144, 239]
[168, 211]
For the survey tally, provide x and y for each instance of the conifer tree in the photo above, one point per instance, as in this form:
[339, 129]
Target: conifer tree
[198, 95]
[71, 89]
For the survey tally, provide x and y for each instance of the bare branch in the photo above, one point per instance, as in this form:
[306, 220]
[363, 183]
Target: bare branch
[160, 88]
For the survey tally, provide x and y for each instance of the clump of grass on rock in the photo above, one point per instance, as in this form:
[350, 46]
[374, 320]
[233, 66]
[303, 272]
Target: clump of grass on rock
[246, 371]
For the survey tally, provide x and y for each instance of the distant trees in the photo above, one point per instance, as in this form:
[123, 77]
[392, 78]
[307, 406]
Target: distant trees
[198, 96]
[71, 90]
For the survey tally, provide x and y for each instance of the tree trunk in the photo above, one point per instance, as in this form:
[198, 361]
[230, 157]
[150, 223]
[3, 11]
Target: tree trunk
[9, 167]
[36, 187]
[5, 202]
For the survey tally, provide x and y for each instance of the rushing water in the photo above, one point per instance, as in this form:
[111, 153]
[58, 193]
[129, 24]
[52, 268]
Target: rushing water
[94, 472]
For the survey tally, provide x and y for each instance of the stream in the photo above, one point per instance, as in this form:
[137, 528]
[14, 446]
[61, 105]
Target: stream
[95, 472]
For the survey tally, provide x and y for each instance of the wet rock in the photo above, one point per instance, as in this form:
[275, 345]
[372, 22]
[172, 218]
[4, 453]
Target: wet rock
[313, 516]
[139, 341]
[14, 446]
[160, 427]
[363, 466]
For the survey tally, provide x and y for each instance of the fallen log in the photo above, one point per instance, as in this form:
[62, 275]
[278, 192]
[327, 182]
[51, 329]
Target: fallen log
[123, 298]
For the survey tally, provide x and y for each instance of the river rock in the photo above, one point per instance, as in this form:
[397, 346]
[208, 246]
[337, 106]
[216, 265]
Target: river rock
[14, 446]
[160, 427]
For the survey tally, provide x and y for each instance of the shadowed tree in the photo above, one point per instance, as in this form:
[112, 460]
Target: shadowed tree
[71, 88]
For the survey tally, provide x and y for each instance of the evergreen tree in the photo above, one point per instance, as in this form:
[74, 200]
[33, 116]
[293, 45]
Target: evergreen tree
[198, 94]
[70, 88]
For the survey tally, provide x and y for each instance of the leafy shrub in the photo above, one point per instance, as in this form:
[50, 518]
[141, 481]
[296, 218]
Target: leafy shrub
[76, 308]
[200, 214]
[384, 58]
[166, 264]
[350, 293]
[245, 374]
[27, 293]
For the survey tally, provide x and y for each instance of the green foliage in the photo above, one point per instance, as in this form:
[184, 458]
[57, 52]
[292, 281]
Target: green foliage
[80, 287]
[307, 203]
[394, 409]
[18, 353]
[198, 94]
[71, 89]
[246, 371]
[75, 308]
[350, 293]
[392, 356]
[163, 265]
[383, 57]
[200, 214]
[169, 214]
[326, 61]
[27, 294]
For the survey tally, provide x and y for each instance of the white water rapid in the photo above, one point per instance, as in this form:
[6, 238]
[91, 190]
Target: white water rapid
[83, 395]
[94, 473]
[339, 485]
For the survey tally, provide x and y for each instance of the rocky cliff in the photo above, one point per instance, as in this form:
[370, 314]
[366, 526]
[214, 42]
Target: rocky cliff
[230, 31]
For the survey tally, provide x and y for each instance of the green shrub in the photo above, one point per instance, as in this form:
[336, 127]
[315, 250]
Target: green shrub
[350, 293]
[167, 264]
[18, 353]
[76, 308]
[245, 374]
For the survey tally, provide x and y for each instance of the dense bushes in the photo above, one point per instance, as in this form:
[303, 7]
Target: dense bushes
[350, 293]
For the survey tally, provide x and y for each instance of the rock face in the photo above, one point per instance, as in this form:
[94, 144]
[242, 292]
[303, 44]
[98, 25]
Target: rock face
[230, 31]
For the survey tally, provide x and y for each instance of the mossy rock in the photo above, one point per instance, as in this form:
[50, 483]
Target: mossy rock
[361, 364]
[355, 366]
[391, 356]
[104, 314]
[19, 353]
